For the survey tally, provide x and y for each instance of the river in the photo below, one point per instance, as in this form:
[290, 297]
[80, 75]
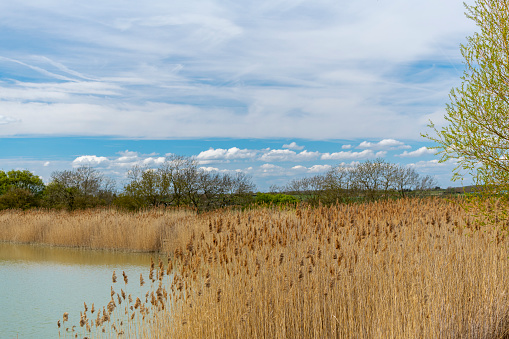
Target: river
[39, 283]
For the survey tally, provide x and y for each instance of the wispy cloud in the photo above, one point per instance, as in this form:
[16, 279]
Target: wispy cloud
[4, 120]
[288, 155]
[306, 69]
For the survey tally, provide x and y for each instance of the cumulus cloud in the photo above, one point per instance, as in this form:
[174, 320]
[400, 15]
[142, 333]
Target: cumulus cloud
[210, 169]
[220, 154]
[288, 155]
[312, 169]
[319, 168]
[293, 146]
[151, 161]
[385, 145]
[124, 160]
[300, 168]
[346, 146]
[270, 170]
[417, 153]
[90, 160]
[349, 155]
[265, 155]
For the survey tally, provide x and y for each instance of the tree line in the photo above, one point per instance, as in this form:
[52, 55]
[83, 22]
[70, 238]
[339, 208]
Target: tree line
[179, 181]
[367, 181]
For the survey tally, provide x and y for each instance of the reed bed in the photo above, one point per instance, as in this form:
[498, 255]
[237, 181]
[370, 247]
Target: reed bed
[406, 269]
[96, 229]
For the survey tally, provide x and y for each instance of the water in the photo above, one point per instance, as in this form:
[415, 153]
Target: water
[38, 284]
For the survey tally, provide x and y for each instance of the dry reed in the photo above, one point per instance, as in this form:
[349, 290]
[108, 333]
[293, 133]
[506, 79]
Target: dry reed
[96, 229]
[406, 269]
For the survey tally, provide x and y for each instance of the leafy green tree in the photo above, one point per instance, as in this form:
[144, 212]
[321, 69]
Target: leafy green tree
[21, 179]
[20, 189]
[477, 134]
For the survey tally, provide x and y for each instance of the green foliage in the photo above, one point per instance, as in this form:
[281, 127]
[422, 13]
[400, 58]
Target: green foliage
[18, 198]
[275, 199]
[128, 203]
[21, 179]
[20, 189]
[80, 188]
[477, 134]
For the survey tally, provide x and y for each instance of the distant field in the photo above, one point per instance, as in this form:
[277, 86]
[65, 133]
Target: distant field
[412, 268]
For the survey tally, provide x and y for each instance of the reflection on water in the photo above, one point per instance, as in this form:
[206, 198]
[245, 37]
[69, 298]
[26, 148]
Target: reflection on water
[39, 283]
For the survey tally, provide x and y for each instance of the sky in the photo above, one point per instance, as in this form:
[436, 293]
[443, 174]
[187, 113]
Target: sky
[277, 89]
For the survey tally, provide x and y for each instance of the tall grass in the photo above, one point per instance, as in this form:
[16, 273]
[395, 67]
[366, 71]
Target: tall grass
[96, 229]
[405, 269]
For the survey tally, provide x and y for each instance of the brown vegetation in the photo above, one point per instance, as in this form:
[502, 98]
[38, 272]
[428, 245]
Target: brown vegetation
[406, 269]
[411, 268]
[96, 229]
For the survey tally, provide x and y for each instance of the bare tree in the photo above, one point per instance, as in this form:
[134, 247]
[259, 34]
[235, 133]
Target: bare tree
[405, 179]
[81, 187]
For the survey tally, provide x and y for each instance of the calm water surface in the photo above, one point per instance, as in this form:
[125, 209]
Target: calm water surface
[38, 284]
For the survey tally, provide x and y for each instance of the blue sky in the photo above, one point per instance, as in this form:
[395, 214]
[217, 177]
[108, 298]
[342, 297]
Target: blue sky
[278, 89]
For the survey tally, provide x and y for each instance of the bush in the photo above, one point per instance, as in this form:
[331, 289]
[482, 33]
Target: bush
[18, 198]
[129, 203]
[275, 199]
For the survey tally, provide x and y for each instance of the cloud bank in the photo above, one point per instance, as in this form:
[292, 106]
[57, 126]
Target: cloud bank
[266, 69]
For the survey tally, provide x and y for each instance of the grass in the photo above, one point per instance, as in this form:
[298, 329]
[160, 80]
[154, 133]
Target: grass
[412, 268]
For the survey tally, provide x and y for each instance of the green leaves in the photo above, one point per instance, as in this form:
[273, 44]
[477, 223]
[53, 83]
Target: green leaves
[477, 134]
[20, 179]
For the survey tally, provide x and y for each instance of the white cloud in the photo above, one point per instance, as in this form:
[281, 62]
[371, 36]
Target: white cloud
[385, 145]
[220, 154]
[312, 169]
[124, 160]
[349, 155]
[299, 168]
[346, 146]
[270, 170]
[417, 153]
[210, 169]
[4, 120]
[293, 146]
[319, 168]
[151, 161]
[288, 155]
[433, 164]
[90, 160]
[358, 69]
